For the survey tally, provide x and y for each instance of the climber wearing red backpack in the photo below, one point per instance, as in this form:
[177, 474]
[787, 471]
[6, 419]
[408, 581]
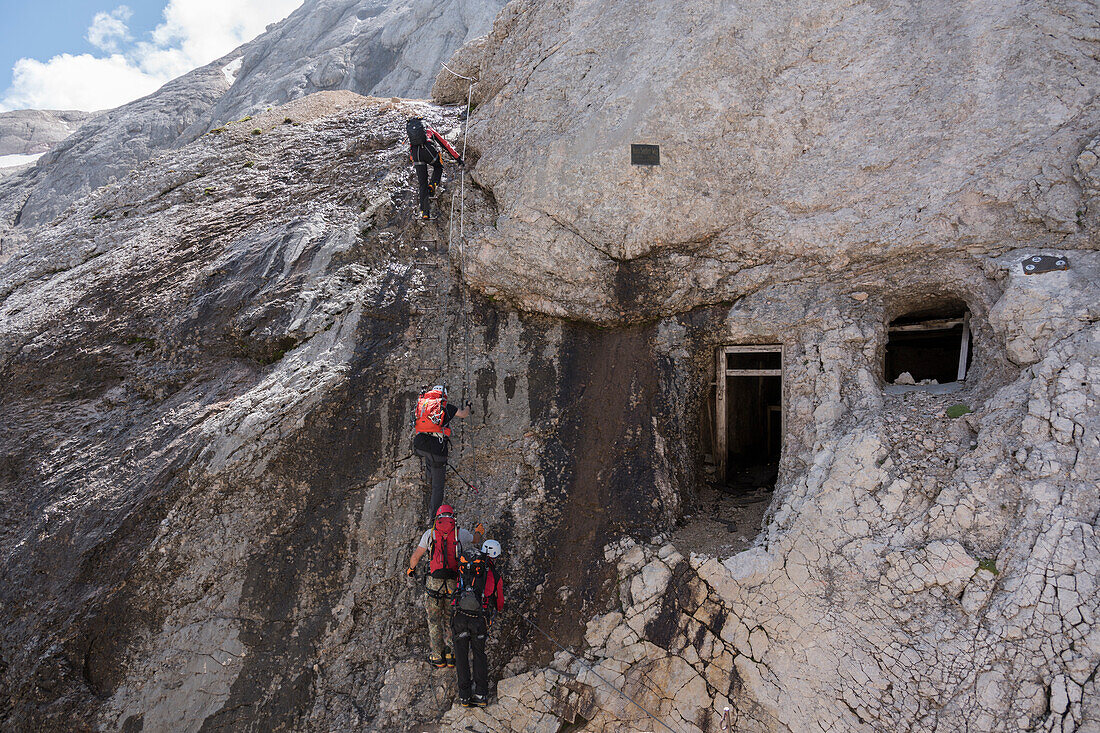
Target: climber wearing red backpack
[433, 437]
[423, 153]
[477, 599]
[443, 545]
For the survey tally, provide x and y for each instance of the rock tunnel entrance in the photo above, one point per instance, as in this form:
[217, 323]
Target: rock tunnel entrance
[929, 346]
[749, 412]
[742, 423]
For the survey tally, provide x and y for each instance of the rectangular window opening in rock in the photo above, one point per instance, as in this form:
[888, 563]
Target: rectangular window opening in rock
[749, 416]
[929, 348]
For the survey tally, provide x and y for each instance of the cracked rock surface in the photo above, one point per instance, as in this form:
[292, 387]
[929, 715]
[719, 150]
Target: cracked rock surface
[916, 572]
[208, 367]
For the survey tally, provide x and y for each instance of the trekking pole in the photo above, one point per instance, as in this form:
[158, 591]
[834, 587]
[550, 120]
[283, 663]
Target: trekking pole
[470, 485]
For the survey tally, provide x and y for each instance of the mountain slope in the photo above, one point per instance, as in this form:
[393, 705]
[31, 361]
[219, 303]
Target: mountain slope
[371, 47]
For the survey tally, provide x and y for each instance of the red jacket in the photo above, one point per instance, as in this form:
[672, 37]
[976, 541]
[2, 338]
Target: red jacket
[494, 586]
[442, 141]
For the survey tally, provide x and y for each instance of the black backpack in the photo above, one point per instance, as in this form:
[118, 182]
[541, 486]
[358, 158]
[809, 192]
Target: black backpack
[469, 595]
[415, 129]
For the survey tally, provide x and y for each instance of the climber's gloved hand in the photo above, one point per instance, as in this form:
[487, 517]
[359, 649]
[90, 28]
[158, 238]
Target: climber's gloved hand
[410, 573]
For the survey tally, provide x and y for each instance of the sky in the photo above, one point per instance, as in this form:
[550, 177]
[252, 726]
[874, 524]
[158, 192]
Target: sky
[98, 54]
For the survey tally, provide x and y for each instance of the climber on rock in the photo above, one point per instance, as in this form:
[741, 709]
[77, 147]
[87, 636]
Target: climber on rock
[433, 437]
[443, 542]
[422, 153]
[477, 599]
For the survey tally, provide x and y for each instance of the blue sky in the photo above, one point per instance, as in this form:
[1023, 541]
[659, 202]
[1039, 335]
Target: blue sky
[97, 54]
[39, 30]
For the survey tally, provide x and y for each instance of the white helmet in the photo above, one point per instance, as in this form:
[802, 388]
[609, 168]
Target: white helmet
[490, 548]
[439, 388]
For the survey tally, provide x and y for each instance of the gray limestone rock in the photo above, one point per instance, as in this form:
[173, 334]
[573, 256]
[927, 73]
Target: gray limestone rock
[207, 500]
[796, 140]
[32, 131]
[112, 144]
[390, 48]
[181, 355]
[377, 47]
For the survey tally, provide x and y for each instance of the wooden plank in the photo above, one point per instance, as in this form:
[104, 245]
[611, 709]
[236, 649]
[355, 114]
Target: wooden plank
[720, 411]
[749, 348]
[782, 402]
[755, 372]
[712, 421]
[964, 347]
[941, 324]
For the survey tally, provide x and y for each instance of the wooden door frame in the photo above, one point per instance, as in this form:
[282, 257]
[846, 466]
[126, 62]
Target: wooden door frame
[720, 375]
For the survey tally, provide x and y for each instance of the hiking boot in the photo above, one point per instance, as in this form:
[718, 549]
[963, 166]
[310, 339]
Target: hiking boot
[424, 216]
[465, 702]
[436, 661]
[449, 658]
[479, 701]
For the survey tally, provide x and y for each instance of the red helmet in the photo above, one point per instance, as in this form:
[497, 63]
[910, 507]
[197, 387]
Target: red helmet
[445, 510]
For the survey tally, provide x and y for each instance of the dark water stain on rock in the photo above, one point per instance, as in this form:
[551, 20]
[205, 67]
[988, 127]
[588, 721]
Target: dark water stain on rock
[598, 466]
[486, 384]
[664, 627]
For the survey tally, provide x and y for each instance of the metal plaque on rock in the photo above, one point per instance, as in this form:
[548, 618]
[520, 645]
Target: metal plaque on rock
[645, 154]
[1039, 264]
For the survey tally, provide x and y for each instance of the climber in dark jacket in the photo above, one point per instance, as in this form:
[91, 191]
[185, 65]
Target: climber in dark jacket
[423, 153]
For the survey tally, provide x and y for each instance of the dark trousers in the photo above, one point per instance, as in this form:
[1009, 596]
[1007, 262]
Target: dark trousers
[468, 634]
[435, 474]
[423, 156]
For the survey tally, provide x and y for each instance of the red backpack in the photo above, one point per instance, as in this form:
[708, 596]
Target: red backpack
[444, 548]
[431, 407]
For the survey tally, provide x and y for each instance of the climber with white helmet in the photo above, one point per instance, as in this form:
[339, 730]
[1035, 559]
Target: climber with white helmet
[433, 437]
[477, 599]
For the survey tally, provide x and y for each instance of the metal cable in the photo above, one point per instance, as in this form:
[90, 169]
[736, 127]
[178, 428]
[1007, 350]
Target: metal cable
[463, 302]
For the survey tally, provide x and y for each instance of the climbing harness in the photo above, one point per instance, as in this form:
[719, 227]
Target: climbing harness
[587, 666]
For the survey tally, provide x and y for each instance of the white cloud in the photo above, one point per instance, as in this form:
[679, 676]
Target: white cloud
[76, 82]
[194, 33]
[109, 29]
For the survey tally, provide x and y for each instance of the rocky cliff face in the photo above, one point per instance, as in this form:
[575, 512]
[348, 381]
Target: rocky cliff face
[32, 131]
[823, 171]
[27, 134]
[376, 47]
[208, 370]
[387, 48]
[794, 143]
